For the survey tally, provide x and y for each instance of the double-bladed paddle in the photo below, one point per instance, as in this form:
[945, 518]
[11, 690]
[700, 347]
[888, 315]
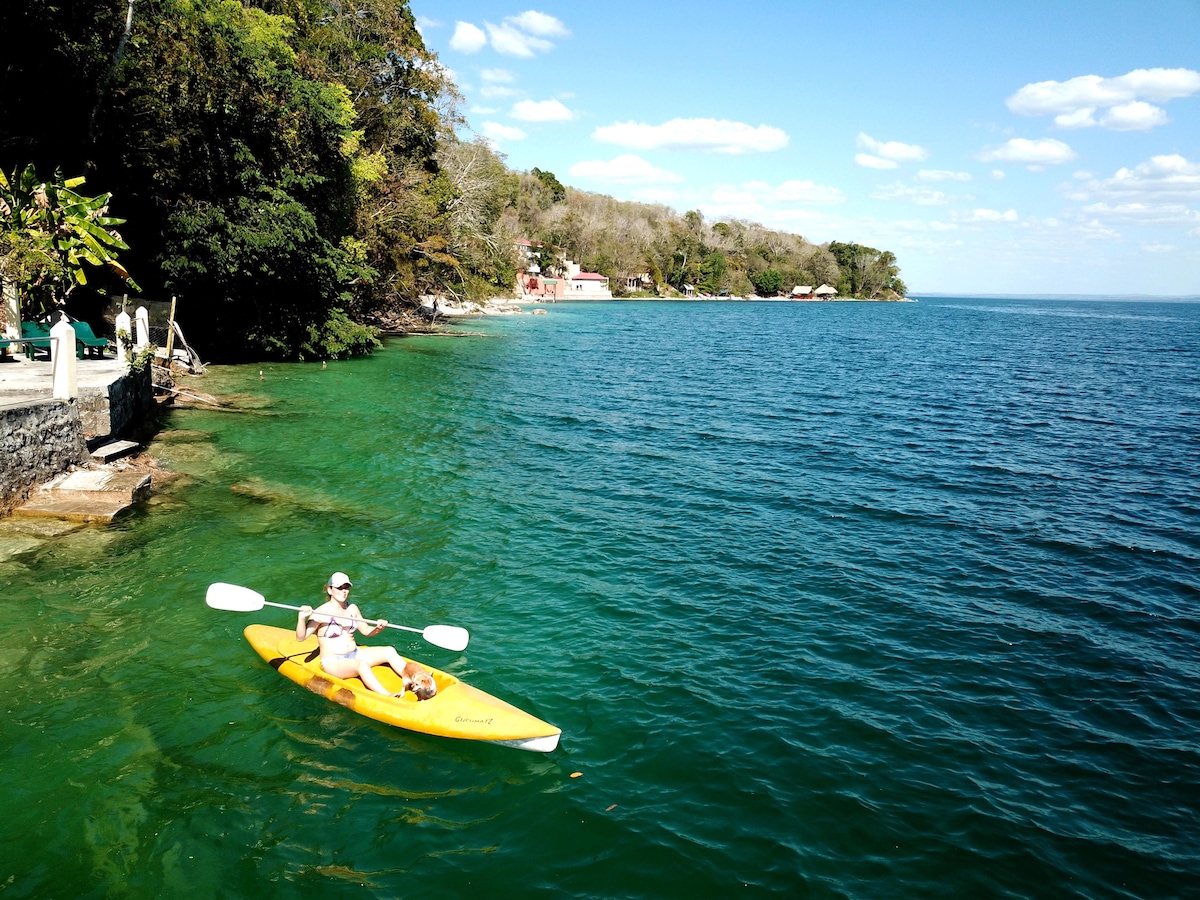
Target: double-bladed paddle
[234, 598]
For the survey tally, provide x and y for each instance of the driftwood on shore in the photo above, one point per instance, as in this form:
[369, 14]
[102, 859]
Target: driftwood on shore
[252, 404]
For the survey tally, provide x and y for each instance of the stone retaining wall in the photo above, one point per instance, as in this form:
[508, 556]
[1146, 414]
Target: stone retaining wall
[39, 439]
[111, 410]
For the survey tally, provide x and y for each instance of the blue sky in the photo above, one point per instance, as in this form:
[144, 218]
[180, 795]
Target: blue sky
[1048, 147]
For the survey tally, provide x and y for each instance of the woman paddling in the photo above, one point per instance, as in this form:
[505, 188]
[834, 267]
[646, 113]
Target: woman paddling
[335, 622]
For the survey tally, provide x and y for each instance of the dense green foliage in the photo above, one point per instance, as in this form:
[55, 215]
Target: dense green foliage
[289, 168]
[867, 272]
[276, 161]
[50, 235]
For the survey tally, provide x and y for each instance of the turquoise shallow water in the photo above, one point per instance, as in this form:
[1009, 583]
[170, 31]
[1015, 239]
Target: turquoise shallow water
[830, 600]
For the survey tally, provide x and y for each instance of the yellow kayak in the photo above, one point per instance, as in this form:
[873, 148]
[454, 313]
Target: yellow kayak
[456, 711]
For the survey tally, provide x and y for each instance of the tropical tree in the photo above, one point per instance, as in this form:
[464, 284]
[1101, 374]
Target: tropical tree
[50, 234]
[555, 192]
[768, 282]
[865, 271]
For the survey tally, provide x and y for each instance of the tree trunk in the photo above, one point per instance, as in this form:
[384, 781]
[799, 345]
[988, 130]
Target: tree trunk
[117, 56]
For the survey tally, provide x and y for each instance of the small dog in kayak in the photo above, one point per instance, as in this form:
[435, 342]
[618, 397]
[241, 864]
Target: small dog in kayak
[418, 681]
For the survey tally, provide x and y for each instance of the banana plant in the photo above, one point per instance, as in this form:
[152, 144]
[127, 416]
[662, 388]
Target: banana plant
[49, 233]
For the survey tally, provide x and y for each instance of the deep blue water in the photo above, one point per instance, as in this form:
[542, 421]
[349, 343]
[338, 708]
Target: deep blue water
[830, 600]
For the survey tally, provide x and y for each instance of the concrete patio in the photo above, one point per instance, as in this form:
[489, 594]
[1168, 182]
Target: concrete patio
[24, 379]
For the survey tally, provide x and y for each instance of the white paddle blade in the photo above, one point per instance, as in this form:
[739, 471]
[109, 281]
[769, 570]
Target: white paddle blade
[449, 636]
[234, 598]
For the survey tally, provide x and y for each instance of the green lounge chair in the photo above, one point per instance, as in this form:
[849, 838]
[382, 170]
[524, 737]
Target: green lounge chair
[86, 339]
[35, 336]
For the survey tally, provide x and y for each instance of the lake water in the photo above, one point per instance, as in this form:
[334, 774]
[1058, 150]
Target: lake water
[829, 600]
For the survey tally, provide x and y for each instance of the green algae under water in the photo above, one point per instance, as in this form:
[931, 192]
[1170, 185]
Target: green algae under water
[829, 600]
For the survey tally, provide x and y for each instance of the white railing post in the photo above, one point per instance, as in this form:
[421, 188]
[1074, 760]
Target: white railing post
[123, 328]
[143, 329]
[64, 366]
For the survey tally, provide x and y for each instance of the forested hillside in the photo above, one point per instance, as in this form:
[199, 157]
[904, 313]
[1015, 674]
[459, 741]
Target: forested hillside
[289, 168]
[620, 239]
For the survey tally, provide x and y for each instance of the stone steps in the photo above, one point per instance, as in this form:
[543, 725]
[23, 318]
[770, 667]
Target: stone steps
[88, 495]
[114, 450]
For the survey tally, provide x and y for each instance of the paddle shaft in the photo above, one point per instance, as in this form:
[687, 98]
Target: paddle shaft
[235, 598]
[352, 618]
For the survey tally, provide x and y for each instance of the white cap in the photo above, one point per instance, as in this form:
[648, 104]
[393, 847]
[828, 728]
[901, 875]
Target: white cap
[339, 579]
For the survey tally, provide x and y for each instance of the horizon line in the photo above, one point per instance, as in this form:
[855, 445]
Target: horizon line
[1053, 296]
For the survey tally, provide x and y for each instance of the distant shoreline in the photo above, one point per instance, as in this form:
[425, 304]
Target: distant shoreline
[750, 299]
[1117, 298]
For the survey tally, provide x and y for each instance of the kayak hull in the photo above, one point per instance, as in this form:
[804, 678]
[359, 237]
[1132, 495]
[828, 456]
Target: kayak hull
[456, 711]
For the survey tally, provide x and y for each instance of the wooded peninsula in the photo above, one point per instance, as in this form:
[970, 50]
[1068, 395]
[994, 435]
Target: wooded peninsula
[296, 170]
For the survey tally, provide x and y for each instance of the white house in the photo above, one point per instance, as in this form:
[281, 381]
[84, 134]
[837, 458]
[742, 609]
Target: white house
[588, 286]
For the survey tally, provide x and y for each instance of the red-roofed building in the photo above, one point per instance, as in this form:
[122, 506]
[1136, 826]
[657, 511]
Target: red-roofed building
[586, 285]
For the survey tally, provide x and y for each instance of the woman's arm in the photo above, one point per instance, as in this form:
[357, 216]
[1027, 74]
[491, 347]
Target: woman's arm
[304, 628]
[366, 628]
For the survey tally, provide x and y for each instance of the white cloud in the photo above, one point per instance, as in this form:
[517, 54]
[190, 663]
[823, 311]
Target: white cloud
[992, 215]
[1161, 177]
[541, 111]
[1044, 151]
[499, 132]
[497, 91]
[921, 225]
[787, 203]
[539, 23]
[1135, 116]
[424, 23]
[918, 195]
[808, 192]
[1080, 118]
[1158, 248]
[998, 174]
[624, 169]
[1094, 229]
[523, 36]
[467, 38]
[942, 175]
[483, 110]
[1145, 213]
[511, 41]
[497, 76]
[893, 151]
[797, 205]
[712, 135]
[1074, 102]
[867, 161]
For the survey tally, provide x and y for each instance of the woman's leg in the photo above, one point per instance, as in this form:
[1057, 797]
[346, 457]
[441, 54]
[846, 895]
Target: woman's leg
[378, 656]
[361, 665]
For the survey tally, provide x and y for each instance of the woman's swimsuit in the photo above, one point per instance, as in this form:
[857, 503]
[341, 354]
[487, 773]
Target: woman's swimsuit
[335, 629]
